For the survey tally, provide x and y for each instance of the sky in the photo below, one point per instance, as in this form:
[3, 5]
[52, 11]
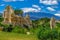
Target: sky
[48, 6]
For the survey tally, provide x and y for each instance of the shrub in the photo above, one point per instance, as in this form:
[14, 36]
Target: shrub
[58, 24]
[7, 28]
[45, 34]
[10, 28]
[18, 29]
[1, 19]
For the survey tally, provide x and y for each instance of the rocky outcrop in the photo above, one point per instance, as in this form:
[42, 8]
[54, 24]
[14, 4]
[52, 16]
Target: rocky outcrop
[7, 14]
[52, 23]
[11, 18]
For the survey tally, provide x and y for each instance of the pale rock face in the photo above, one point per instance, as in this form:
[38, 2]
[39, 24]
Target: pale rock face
[52, 23]
[7, 14]
[28, 21]
[11, 18]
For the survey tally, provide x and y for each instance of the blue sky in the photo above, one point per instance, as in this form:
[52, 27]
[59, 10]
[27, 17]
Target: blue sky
[48, 6]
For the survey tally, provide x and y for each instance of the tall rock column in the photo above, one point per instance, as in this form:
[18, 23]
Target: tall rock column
[7, 14]
[28, 21]
[52, 23]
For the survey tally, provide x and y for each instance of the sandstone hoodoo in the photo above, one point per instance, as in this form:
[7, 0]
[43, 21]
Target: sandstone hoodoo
[52, 22]
[11, 18]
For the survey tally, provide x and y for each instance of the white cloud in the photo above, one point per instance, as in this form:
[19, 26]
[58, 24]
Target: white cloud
[12, 0]
[49, 2]
[34, 8]
[57, 14]
[2, 4]
[50, 8]
[30, 10]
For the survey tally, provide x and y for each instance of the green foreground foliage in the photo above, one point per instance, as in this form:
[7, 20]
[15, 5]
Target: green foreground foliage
[40, 28]
[48, 34]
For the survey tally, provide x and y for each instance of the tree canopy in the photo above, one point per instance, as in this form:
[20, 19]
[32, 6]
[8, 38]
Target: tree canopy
[18, 12]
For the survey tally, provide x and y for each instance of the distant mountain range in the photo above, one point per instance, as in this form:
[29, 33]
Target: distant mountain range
[38, 15]
[0, 14]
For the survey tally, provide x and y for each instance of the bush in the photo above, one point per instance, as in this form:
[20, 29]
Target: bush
[58, 24]
[1, 19]
[45, 34]
[18, 29]
[7, 28]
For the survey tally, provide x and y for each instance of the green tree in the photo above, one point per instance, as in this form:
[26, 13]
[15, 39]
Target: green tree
[18, 12]
[1, 19]
[48, 34]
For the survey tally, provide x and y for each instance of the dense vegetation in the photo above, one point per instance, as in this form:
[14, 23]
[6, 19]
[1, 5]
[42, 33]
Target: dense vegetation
[44, 32]
[48, 34]
[40, 27]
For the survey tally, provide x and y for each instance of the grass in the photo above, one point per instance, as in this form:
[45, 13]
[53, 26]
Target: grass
[16, 36]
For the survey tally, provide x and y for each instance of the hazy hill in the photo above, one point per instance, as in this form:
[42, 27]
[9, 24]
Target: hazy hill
[38, 15]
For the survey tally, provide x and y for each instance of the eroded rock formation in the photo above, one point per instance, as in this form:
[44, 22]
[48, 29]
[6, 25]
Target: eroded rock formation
[11, 18]
[52, 23]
